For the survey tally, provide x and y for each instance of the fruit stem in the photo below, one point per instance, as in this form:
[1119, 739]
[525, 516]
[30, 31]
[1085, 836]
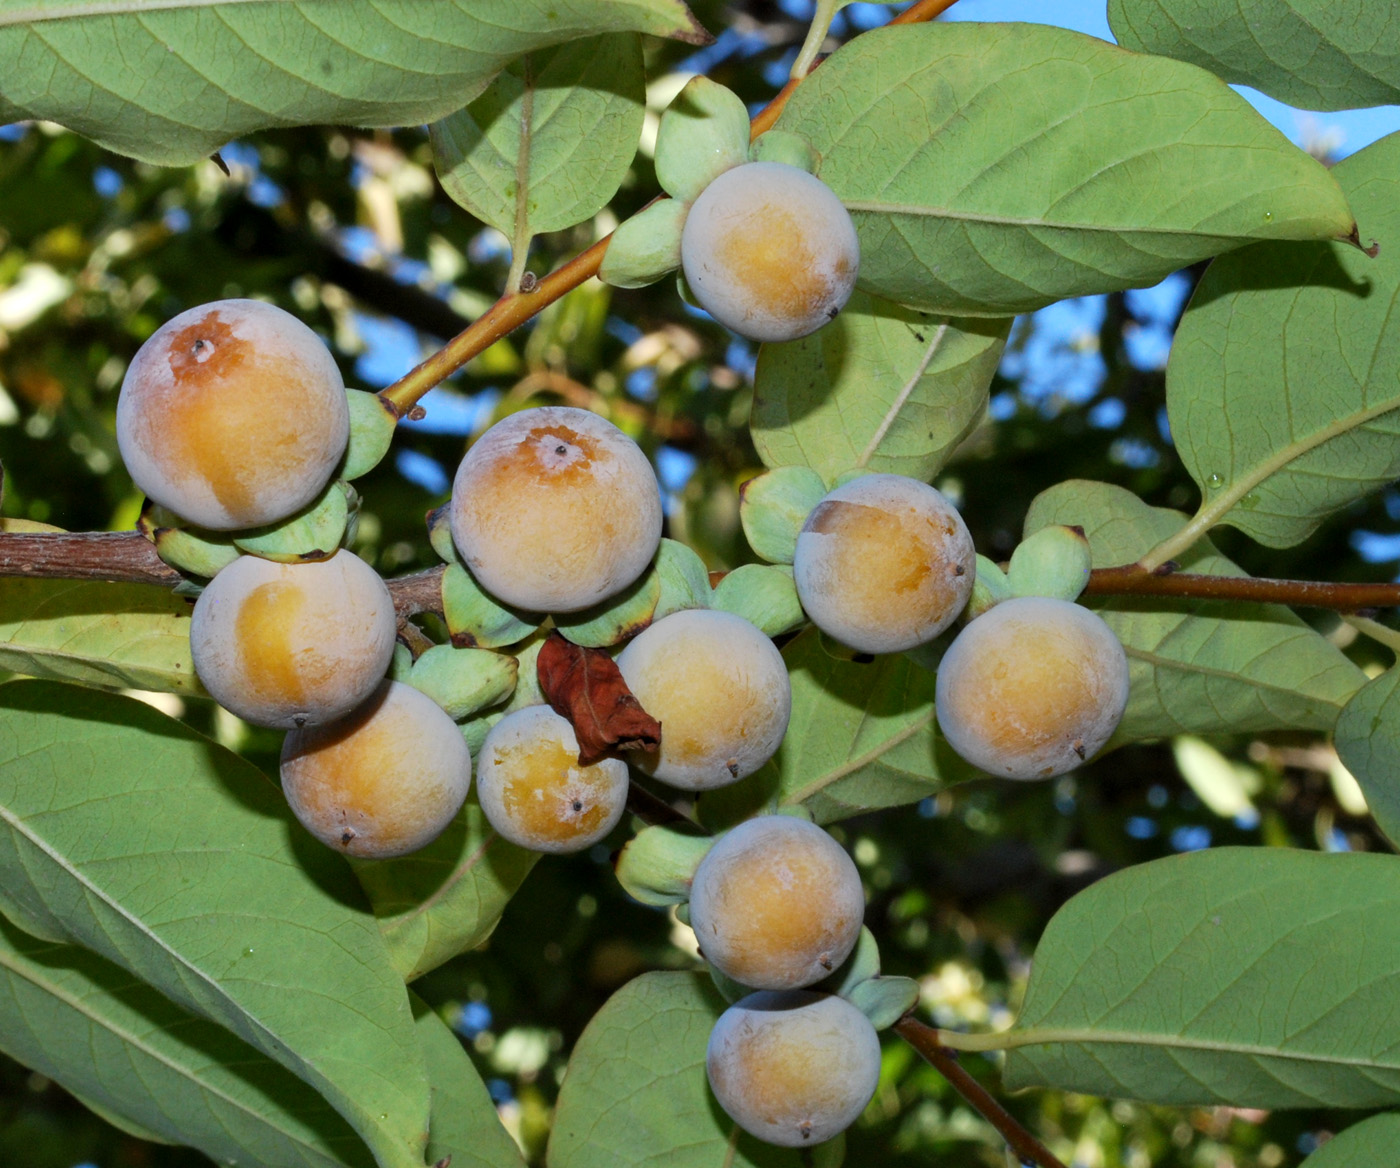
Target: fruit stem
[816, 37]
[516, 307]
[926, 1041]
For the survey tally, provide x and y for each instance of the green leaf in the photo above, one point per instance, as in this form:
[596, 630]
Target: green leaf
[861, 736]
[464, 1123]
[132, 835]
[996, 168]
[1372, 1143]
[1199, 667]
[1284, 380]
[881, 388]
[1314, 54]
[1368, 743]
[132, 1054]
[1257, 977]
[133, 636]
[446, 898]
[549, 142]
[172, 82]
[636, 1095]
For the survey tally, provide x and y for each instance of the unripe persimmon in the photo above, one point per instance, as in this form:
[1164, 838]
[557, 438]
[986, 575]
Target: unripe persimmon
[776, 903]
[1031, 688]
[770, 251]
[884, 563]
[293, 644]
[534, 791]
[232, 415]
[555, 509]
[720, 690]
[381, 782]
[794, 1068]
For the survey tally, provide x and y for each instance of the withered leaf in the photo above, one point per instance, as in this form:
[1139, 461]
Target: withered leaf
[585, 686]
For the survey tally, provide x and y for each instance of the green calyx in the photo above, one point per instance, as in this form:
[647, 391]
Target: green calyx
[314, 533]
[646, 247]
[1055, 562]
[785, 147]
[764, 595]
[464, 681]
[703, 133]
[659, 862]
[774, 506]
[186, 549]
[372, 422]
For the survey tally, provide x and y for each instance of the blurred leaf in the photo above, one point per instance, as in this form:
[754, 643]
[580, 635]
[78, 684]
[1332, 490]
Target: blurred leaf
[636, 1093]
[446, 898]
[132, 835]
[133, 636]
[1284, 380]
[126, 1049]
[1372, 1143]
[861, 736]
[1314, 54]
[1199, 667]
[564, 122]
[882, 388]
[174, 83]
[1255, 977]
[996, 168]
[1368, 743]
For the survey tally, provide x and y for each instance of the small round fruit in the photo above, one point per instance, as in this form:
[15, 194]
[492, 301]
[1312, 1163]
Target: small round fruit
[533, 790]
[555, 509]
[293, 644]
[769, 251]
[884, 563]
[382, 782]
[776, 903]
[793, 1068]
[720, 690]
[1031, 688]
[232, 415]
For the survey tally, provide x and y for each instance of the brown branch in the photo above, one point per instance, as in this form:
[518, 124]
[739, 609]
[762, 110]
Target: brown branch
[125, 556]
[514, 309]
[1131, 580]
[924, 1039]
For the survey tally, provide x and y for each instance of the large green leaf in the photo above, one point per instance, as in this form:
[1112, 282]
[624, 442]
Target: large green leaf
[882, 388]
[1283, 388]
[170, 81]
[133, 1054]
[1199, 667]
[549, 142]
[446, 898]
[995, 168]
[1316, 54]
[636, 1094]
[1368, 742]
[128, 833]
[1258, 977]
[861, 736]
[133, 636]
[1372, 1143]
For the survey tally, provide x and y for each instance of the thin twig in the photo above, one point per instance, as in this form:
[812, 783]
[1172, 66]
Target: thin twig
[924, 1039]
[1133, 580]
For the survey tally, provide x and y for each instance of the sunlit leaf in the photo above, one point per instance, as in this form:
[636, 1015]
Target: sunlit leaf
[1368, 743]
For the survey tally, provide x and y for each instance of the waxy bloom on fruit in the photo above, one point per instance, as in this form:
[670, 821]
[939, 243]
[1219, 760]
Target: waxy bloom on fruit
[1031, 688]
[770, 251]
[535, 793]
[776, 903]
[884, 563]
[720, 690]
[293, 644]
[382, 782]
[232, 415]
[555, 509]
[793, 1068]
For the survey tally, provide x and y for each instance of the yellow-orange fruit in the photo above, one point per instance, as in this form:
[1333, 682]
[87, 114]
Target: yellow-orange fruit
[769, 251]
[533, 790]
[720, 690]
[555, 509]
[1031, 688]
[794, 1068]
[232, 415]
[776, 903]
[293, 644]
[884, 563]
[384, 781]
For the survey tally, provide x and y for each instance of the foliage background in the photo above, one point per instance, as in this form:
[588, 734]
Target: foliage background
[350, 230]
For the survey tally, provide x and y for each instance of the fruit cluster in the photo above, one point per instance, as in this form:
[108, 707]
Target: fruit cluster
[234, 420]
